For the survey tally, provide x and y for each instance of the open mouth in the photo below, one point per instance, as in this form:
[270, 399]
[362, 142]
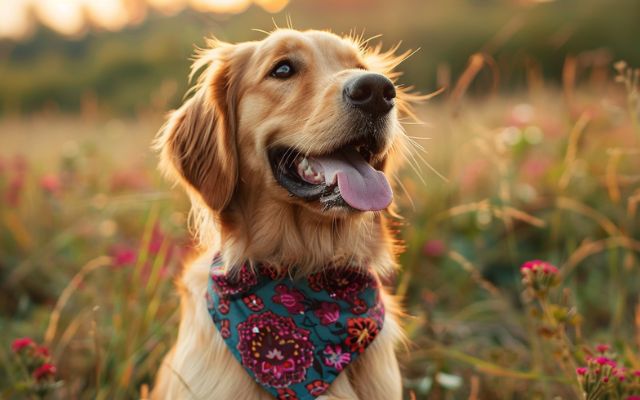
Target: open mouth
[345, 177]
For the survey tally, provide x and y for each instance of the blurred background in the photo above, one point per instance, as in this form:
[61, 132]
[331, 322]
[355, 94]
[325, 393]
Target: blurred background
[530, 152]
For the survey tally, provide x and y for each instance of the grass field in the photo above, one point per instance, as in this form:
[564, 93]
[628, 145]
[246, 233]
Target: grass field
[91, 238]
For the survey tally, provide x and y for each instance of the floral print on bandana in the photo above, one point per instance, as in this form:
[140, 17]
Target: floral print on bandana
[295, 336]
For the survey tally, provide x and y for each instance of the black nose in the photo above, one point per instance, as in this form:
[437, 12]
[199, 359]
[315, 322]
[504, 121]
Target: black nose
[372, 93]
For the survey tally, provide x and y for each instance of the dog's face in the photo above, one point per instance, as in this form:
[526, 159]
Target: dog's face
[305, 119]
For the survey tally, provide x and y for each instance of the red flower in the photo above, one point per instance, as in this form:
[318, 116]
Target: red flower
[44, 371]
[123, 256]
[603, 348]
[328, 313]
[359, 306]
[253, 302]
[225, 332]
[582, 371]
[290, 298]
[287, 394]
[42, 351]
[22, 343]
[50, 183]
[361, 332]
[317, 388]
[223, 305]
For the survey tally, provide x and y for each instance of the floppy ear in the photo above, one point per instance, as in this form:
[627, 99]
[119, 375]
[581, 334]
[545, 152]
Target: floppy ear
[198, 143]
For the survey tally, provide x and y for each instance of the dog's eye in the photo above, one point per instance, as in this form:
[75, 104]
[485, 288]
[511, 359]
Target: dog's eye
[283, 70]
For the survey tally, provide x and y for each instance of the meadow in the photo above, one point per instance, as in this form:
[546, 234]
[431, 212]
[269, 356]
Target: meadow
[91, 238]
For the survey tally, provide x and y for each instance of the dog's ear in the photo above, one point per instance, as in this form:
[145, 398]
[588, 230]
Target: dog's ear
[198, 143]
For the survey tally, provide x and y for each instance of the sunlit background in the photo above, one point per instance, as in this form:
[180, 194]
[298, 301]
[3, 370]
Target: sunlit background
[531, 151]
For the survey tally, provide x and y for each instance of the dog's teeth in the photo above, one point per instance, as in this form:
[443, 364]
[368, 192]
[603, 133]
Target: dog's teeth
[304, 163]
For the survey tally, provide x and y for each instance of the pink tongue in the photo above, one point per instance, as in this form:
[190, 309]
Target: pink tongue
[361, 186]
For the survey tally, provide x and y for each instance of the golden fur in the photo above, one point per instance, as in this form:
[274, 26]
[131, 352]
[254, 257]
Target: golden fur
[216, 145]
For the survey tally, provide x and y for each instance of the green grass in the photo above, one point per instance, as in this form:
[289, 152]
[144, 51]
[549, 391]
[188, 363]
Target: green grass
[91, 238]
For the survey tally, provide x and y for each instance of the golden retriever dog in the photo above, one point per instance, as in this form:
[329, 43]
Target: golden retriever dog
[286, 148]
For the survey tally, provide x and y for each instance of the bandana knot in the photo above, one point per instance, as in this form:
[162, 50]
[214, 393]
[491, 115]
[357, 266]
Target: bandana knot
[295, 336]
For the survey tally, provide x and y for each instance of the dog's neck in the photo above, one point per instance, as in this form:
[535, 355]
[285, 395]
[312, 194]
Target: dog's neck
[286, 235]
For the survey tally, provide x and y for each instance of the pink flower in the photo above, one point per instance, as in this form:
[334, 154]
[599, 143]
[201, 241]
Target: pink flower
[290, 298]
[605, 361]
[636, 373]
[434, 248]
[275, 349]
[328, 313]
[44, 371]
[539, 266]
[42, 351]
[123, 256]
[22, 343]
[633, 398]
[335, 357]
[582, 371]
[50, 183]
[603, 348]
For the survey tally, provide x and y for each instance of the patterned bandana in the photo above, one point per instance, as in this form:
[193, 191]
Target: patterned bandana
[295, 336]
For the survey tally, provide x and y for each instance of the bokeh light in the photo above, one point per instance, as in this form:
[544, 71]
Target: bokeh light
[74, 17]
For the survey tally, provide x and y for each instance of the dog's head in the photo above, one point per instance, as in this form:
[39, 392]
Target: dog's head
[304, 121]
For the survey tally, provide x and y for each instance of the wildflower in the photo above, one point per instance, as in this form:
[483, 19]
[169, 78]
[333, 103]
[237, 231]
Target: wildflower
[539, 266]
[539, 276]
[603, 348]
[434, 248]
[582, 371]
[605, 361]
[42, 352]
[123, 255]
[50, 184]
[19, 344]
[44, 371]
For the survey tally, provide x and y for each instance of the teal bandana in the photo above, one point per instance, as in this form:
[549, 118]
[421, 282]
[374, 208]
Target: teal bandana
[294, 337]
